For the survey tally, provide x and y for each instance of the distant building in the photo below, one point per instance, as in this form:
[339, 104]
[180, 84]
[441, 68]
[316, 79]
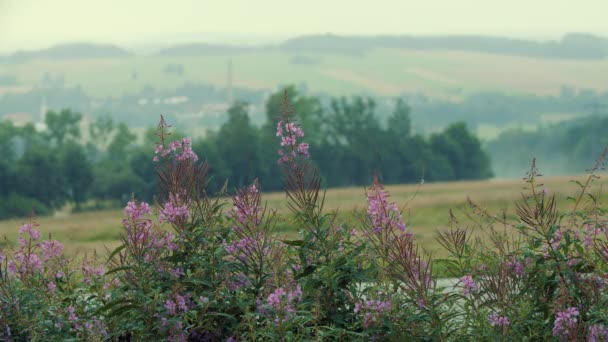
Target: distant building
[18, 119]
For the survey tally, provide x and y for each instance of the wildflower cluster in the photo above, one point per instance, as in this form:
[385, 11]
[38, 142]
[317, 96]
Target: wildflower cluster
[141, 237]
[32, 256]
[232, 277]
[289, 132]
[564, 326]
[282, 303]
[468, 285]
[181, 149]
[372, 311]
[498, 321]
[175, 210]
[383, 216]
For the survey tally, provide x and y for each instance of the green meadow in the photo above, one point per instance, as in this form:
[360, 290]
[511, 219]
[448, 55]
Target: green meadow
[426, 210]
[437, 73]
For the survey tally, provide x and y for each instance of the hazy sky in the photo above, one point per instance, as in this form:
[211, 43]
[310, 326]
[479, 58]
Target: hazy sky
[39, 23]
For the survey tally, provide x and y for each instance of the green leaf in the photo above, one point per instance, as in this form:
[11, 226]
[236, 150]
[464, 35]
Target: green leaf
[116, 251]
[118, 269]
[307, 271]
[298, 243]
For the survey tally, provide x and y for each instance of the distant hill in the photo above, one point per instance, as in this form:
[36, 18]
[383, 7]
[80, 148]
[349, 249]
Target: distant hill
[202, 49]
[69, 51]
[572, 45]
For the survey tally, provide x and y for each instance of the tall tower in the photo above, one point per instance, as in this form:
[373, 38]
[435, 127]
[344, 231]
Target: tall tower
[43, 109]
[229, 82]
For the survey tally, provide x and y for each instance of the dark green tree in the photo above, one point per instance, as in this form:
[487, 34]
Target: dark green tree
[77, 171]
[463, 152]
[63, 125]
[39, 176]
[237, 143]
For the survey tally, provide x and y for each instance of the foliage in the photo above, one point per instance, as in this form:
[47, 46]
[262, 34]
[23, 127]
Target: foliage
[350, 140]
[190, 269]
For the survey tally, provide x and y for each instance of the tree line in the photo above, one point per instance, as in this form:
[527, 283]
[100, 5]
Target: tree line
[46, 169]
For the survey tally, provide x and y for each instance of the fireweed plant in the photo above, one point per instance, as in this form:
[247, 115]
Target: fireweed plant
[193, 268]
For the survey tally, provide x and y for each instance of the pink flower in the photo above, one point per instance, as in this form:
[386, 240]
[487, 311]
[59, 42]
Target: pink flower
[175, 210]
[71, 314]
[51, 286]
[289, 132]
[29, 228]
[51, 249]
[468, 285]
[181, 302]
[565, 323]
[498, 321]
[186, 153]
[372, 310]
[382, 214]
[171, 307]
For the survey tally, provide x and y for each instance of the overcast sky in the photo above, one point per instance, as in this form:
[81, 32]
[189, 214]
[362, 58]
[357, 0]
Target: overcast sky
[39, 23]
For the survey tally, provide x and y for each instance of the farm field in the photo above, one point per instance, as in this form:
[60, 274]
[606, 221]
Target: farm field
[443, 74]
[426, 210]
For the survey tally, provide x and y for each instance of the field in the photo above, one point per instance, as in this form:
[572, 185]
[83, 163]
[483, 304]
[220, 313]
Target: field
[443, 74]
[426, 210]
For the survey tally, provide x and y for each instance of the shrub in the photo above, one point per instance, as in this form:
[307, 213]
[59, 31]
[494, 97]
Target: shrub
[224, 274]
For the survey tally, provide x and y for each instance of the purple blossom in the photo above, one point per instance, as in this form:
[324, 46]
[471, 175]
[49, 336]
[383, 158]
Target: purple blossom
[51, 249]
[289, 132]
[597, 333]
[516, 266]
[89, 272]
[241, 281]
[29, 228]
[171, 307]
[382, 214]
[283, 302]
[468, 285]
[498, 321]
[96, 328]
[303, 150]
[246, 207]
[181, 148]
[274, 299]
[181, 302]
[565, 323]
[25, 263]
[71, 314]
[372, 311]
[175, 210]
[51, 286]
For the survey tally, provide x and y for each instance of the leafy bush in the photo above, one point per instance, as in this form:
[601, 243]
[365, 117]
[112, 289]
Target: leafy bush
[225, 274]
[17, 205]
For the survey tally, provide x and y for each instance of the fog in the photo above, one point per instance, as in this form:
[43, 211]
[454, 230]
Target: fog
[27, 24]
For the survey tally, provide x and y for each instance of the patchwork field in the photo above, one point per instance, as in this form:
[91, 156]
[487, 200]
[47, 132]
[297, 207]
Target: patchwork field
[426, 209]
[445, 74]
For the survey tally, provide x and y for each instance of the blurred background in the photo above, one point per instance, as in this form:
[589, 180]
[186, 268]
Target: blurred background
[413, 90]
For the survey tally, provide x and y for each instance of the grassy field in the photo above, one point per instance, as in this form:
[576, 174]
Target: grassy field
[426, 210]
[446, 74]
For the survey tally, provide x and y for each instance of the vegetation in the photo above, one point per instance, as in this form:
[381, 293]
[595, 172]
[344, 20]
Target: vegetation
[436, 73]
[224, 274]
[564, 146]
[54, 167]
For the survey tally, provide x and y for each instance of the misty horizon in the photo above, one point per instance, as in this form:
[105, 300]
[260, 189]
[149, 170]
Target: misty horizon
[28, 24]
